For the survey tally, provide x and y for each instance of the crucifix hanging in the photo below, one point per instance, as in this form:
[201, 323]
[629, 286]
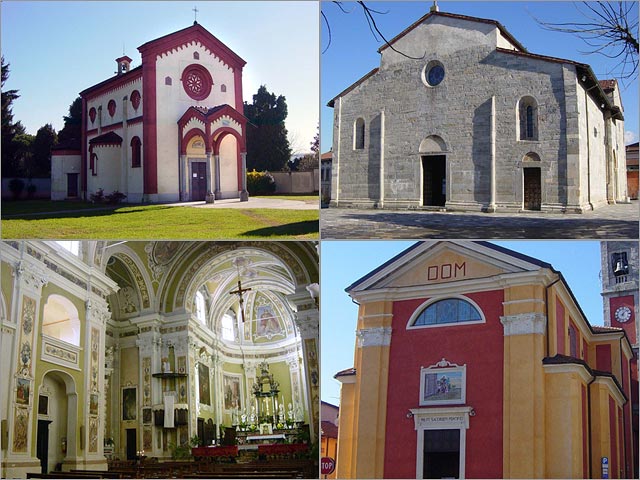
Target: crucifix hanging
[240, 291]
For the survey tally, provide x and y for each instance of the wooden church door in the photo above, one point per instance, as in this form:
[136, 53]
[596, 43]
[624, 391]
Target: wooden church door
[532, 189]
[198, 181]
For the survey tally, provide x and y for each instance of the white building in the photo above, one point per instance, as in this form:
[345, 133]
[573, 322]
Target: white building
[171, 129]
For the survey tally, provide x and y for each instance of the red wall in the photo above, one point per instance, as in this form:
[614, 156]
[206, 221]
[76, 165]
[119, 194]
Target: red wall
[630, 326]
[613, 461]
[480, 347]
[603, 357]
[560, 327]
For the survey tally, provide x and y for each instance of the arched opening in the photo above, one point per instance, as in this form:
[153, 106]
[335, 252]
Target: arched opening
[434, 171]
[527, 121]
[136, 152]
[60, 320]
[226, 147]
[57, 420]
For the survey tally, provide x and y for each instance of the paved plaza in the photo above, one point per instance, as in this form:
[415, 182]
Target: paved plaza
[609, 222]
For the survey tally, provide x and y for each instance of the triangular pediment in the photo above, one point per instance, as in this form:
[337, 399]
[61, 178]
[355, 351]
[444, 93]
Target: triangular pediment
[430, 263]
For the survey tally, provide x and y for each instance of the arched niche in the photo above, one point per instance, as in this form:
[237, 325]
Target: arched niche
[433, 144]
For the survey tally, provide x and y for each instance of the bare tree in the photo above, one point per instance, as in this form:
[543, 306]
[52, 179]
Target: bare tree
[610, 29]
[370, 16]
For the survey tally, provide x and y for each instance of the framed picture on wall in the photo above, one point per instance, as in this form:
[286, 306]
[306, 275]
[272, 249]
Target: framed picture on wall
[442, 386]
[232, 391]
[43, 405]
[23, 391]
[203, 384]
[146, 416]
[93, 404]
[129, 404]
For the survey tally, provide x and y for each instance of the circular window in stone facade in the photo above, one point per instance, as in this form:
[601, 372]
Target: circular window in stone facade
[111, 106]
[433, 73]
[197, 82]
[135, 99]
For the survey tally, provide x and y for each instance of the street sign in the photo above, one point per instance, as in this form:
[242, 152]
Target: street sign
[327, 465]
[605, 467]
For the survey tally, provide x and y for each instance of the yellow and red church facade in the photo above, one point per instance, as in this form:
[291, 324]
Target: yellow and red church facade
[474, 361]
[170, 129]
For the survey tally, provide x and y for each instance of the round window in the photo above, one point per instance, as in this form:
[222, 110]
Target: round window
[433, 74]
[197, 82]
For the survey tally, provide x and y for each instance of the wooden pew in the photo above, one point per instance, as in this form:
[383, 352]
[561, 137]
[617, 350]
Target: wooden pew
[102, 473]
[61, 475]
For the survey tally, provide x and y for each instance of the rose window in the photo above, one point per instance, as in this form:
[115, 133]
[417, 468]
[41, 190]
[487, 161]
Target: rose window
[197, 82]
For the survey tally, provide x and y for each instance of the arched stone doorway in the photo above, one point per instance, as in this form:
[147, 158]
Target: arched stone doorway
[531, 182]
[434, 171]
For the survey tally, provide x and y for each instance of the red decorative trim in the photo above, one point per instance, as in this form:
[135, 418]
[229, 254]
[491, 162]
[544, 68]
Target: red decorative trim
[135, 99]
[149, 127]
[111, 107]
[112, 83]
[92, 114]
[196, 81]
[125, 58]
[237, 87]
[196, 32]
[83, 153]
[194, 132]
[220, 133]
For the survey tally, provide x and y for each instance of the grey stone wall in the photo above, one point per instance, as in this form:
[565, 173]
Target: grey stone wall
[459, 111]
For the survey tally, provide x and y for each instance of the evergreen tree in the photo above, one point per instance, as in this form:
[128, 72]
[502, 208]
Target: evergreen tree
[267, 144]
[46, 138]
[10, 162]
[71, 132]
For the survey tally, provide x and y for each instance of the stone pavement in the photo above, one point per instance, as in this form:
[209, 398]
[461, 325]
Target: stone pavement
[608, 222]
[253, 202]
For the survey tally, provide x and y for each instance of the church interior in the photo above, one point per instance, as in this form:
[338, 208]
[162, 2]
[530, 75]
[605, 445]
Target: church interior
[148, 359]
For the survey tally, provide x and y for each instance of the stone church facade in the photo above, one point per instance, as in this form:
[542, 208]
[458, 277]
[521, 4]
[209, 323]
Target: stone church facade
[170, 129]
[473, 121]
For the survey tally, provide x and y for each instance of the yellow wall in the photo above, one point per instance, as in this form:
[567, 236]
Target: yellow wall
[347, 438]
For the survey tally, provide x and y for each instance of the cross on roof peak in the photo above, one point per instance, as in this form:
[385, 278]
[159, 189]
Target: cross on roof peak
[195, 14]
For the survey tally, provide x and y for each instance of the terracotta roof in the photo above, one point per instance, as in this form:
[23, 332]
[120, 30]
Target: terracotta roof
[345, 373]
[608, 85]
[110, 138]
[328, 429]
[327, 156]
[605, 329]
[348, 89]
[503, 30]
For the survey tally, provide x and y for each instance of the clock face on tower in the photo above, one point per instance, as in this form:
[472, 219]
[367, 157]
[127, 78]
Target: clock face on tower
[622, 314]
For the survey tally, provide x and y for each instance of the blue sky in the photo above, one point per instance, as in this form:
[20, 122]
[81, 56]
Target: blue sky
[353, 49]
[57, 49]
[343, 262]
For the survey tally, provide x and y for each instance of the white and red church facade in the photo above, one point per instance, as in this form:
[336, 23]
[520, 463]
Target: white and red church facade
[169, 130]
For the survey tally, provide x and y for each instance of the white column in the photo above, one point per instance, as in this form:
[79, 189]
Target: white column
[492, 201]
[210, 197]
[217, 175]
[184, 192]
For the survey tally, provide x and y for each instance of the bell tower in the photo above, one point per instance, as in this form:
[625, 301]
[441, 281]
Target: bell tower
[619, 266]
[124, 64]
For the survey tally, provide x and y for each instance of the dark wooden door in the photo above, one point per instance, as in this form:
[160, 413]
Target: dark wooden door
[434, 183]
[42, 444]
[72, 185]
[532, 189]
[198, 181]
[131, 444]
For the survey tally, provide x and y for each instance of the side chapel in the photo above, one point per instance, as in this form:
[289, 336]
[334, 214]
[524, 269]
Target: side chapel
[168, 130]
[124, 351]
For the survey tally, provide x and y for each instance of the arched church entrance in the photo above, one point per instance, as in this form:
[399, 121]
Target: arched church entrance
[57, 420]
[434, 171]
[227, 151]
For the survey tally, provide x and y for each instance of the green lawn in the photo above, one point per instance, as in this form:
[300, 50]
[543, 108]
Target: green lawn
[293, 196]
[157, 222]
